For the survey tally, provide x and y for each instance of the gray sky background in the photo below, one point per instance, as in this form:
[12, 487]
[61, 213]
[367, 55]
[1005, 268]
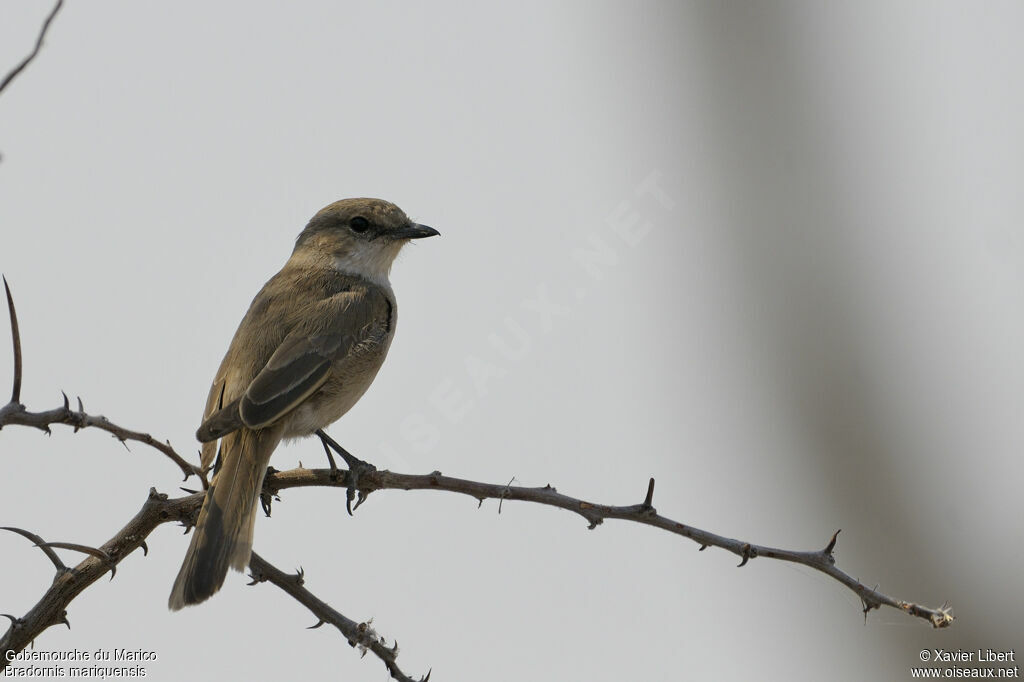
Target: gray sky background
[814, 323]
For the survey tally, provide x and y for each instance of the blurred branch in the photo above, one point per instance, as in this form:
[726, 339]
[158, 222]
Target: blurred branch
[35, 51]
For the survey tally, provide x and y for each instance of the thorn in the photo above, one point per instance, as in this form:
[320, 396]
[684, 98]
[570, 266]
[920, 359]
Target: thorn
[505, 490]
[646, 506]
[67, 404]
[832, 543]
[145, 549]
[748, 554]
[14, 621]
[64, 619]
[41, 544]
[85, 549]
[81, 408]
[314, 627]
[16, 341]
[868, 606]
[427, 678]
[479, 502]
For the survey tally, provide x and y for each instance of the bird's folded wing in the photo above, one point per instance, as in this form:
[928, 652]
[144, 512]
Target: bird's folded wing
[295, 371]
[301, 364]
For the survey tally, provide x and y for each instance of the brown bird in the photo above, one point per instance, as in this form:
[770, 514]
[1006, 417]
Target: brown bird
[308, 348]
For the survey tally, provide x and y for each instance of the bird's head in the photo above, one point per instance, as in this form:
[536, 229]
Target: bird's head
[359, 236]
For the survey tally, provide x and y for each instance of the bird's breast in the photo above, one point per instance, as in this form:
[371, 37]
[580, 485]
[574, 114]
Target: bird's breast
[350, 378]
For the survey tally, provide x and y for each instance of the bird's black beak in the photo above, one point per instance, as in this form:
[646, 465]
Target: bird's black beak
[414, 231]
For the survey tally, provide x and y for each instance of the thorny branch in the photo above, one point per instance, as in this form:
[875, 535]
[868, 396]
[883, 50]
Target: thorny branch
[159, 509]
[821, 560]
[15, 413]
[359, 635]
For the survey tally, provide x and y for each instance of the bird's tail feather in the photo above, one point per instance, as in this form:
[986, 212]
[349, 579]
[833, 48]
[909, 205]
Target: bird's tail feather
[222, 538]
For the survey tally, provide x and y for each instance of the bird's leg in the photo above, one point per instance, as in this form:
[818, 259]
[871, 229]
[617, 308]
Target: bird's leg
[327, 450]
[356, 467]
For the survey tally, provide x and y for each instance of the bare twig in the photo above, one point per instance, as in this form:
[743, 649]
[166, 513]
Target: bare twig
[359, 635]
[39, 45]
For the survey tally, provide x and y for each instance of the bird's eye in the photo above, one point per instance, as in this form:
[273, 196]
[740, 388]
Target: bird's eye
[359, 224]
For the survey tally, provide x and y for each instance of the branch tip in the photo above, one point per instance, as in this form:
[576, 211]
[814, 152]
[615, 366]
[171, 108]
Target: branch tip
[943, 617]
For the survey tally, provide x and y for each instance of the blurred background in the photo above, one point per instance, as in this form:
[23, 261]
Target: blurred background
[769, 253]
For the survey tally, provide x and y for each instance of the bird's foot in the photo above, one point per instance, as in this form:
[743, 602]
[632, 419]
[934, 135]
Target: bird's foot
[356, 469]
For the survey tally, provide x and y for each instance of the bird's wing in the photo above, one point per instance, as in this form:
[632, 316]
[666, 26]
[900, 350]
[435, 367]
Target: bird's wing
[302, 362]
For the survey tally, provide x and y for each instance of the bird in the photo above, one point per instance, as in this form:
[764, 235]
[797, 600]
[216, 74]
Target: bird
[306, 351]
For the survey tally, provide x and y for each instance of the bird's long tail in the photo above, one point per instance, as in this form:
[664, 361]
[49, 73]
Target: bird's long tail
[223, 536]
